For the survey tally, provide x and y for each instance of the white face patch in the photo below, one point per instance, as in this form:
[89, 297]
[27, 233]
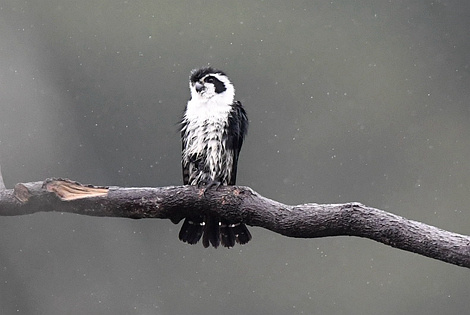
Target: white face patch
[208, 93]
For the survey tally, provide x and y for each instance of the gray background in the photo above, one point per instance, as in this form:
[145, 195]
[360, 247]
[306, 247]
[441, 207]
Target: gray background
[348, 101]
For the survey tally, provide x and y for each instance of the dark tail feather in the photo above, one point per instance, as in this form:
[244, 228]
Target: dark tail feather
[241, 233]
[191, 230]
[211, 232]
[227, 235]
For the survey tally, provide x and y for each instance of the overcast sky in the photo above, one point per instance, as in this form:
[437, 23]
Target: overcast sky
[362, 101]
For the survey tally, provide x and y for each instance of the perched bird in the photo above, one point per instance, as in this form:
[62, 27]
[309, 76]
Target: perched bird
[212, 132]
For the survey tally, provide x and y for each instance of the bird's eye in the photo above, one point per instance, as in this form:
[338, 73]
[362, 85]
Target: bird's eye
[209, 80]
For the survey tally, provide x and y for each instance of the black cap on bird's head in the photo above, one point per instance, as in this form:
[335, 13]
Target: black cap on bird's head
[198, 74]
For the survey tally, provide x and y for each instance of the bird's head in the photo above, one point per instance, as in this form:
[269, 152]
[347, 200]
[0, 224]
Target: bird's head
[211, 84]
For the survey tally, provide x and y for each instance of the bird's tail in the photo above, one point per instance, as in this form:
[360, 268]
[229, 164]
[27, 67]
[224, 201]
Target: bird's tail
[191, 230]
[231, 233]
[214, 231]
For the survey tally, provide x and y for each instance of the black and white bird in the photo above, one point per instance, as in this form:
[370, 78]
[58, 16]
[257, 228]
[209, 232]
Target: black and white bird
[212, 132]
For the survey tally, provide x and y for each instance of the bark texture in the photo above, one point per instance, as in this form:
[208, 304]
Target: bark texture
[238, 204]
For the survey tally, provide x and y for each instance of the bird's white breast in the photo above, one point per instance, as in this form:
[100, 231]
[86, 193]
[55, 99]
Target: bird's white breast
[205, 124]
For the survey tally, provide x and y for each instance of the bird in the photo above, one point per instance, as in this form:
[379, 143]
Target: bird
[213, 128]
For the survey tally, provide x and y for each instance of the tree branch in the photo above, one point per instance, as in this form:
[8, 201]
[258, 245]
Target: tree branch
[238, 203]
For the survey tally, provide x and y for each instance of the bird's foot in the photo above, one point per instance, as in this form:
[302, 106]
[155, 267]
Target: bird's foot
[211, 184]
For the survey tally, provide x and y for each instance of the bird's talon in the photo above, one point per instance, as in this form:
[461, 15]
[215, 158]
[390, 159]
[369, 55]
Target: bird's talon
[211, 184]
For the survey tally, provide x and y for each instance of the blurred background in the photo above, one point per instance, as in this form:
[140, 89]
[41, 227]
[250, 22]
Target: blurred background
[362, 101]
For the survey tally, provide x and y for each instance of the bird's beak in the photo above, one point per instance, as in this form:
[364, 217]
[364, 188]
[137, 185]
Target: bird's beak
[199, 87]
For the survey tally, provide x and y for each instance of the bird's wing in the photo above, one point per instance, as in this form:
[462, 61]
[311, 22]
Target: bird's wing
[238, 127]
[185, 166]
